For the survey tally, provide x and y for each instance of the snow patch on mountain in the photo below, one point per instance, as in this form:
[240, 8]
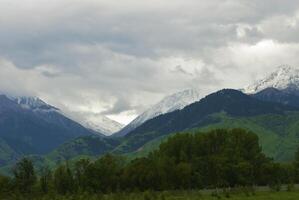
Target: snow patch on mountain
[101, 124]
[284, 78]
[33, 103]
[97, 122]
[170, 103]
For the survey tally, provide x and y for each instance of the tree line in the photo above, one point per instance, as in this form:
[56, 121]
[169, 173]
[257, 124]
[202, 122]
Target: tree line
[217, 159]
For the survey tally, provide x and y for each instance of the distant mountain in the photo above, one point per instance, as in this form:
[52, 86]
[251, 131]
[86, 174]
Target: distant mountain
[96, 122]
[100, 123]
[30, 126]
[275, 123]
[281, 86]
[170, 103]
[33, 103]
[232, 103]
[284, 78]
[278, 96]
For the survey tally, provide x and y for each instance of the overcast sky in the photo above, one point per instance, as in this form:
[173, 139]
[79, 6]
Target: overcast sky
[119, 57]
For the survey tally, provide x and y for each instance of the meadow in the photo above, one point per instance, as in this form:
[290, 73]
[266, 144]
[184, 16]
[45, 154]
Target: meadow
[184, 195]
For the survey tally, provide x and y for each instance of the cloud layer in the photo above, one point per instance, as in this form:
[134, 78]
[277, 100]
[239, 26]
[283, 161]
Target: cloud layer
[119, 57]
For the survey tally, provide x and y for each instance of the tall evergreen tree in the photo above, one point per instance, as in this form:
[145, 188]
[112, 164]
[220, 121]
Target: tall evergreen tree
[63, 180]
[24, 176]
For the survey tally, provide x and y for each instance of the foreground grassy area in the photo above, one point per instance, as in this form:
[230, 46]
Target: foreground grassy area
[294, 195]
[283, 195]
[185, 195]
[271, 195]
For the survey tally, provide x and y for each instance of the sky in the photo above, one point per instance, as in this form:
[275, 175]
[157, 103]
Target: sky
[117, 58]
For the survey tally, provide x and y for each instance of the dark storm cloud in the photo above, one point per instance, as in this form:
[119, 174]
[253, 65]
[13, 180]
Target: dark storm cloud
[119, 56]
[135, 29]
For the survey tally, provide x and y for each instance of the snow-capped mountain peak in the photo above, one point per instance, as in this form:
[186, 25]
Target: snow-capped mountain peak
[96, 122]
[101, 124]
[285, 77]
[33, 103]
[170, 103]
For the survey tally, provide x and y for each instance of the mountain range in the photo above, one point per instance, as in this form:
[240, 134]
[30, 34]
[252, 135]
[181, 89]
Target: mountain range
[278, 96]
[170, 103]
[285, 78]
[30, 126]
[269, 107]
[270, 111]
[228, 102]
[96, 122]
[276, 125]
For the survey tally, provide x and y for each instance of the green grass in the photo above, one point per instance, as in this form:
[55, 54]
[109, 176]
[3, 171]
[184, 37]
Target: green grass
[235, 196]
[184, 195]
[270, 195]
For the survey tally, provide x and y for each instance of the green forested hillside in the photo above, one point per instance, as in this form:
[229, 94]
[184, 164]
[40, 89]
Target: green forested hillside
[200, 114]
[86, 146]
[276, 125]
[221, 159]
[7, 153]
[278, 134]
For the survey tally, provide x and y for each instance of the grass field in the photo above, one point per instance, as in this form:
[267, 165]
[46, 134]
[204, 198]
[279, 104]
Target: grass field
[187, 195]
[283, 195]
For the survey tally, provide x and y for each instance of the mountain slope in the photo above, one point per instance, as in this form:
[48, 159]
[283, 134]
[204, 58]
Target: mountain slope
[278, 133]
[284, 78]
[232, 102]
[170, 103]
[278, 96]
[33, 103]
[100, 123]
[7, 153]
[83, 146]
[276, 125]
[27, 130]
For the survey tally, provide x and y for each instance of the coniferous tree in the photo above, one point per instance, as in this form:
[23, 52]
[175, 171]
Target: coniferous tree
[83, 174]
[45, 180]
[5, 185]
[24, 176]
[63, 180]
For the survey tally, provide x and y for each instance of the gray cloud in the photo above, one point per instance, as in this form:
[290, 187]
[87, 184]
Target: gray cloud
[180, 69]
[121, 105]
[118, 58]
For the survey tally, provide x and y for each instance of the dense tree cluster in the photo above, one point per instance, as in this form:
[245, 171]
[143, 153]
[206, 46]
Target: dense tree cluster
[220, 158]
[217, 159]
